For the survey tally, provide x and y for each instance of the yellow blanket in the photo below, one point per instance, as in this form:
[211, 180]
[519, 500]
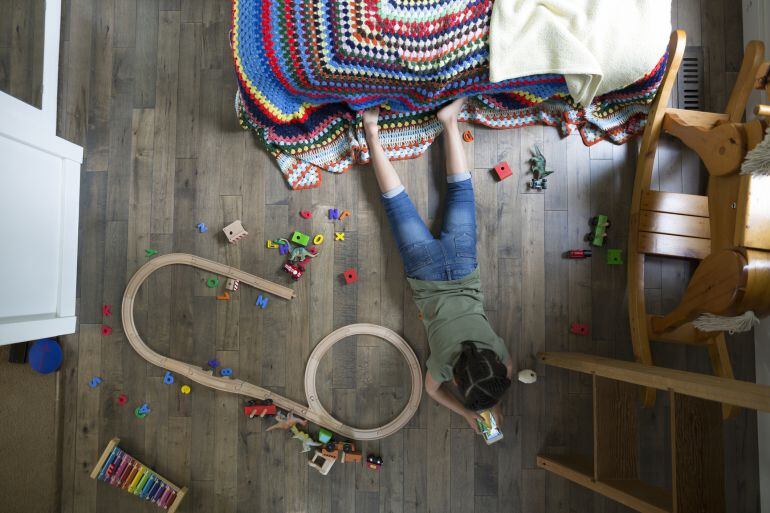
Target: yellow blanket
[598, 45]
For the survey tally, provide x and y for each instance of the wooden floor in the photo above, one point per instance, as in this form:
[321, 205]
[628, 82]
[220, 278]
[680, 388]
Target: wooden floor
[147, 87]
[21, 49]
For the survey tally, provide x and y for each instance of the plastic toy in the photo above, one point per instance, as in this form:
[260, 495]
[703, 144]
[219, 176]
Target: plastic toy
[527, 376]
[212, 282]
[373, 462]
[107, 310]
[106, 330]
[318, 239]
[344, 215]
[150, 252]
[468, 136]
[202, 228]
[339, 235]
[324, 435]
[300, 253]
[259, 410]
[601, 224]
[614, 256]
[168, 378]
[213, 364]
[283, 249]
[300, 238]
[350, 275]
[503, 171]
[224, 297]
[120, 470]
[321, 462]
[307, 442]
[313, 409]
[348, 450]
[235, 231]
[488, 427]
[232, 284]
[580, 329]
[185, 389]
[283, 421]
[122, 399]
[306, 214]
[294, 271]
[262, 301]
[271, 244]
[94, 382]
[142, 411]
[538, 171]
[577, 254]
[45, 356]
[334, 213]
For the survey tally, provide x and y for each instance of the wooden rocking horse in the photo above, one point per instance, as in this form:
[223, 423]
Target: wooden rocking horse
[728, 230]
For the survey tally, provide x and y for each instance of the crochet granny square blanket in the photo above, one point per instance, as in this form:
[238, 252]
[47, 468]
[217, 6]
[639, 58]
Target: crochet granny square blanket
[307, 68]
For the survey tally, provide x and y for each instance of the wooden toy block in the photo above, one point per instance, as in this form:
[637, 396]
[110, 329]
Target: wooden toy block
[614, 256]
[306, 214]
[468, 136]
[503, 171]
[350, 275]
[351, 457]
[321, 462]
[235, 231]
[259, 410]
[580, 329]
[324, 436]
[232, 284]
[344, 215]
[339, 235]
[334, 213]
[300, 238]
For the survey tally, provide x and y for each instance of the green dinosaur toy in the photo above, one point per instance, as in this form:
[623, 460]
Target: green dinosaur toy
[537, 163]
[296, 254]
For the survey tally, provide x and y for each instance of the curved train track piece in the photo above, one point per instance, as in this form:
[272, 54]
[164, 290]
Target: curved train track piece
[314, 411]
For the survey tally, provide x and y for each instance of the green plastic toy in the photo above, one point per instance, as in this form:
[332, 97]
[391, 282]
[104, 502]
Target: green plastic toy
[600, 223]
[300, 238]
[614, 256]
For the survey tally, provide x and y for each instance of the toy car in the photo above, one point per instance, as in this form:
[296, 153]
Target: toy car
[601, 224]
[373, 462]
[294, 271]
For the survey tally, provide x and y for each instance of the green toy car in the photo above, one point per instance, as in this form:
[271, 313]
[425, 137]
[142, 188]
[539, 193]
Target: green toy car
[601, 224]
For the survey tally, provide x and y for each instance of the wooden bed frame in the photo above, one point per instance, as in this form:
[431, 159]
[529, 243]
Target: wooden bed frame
[728, 230]
[314, 412]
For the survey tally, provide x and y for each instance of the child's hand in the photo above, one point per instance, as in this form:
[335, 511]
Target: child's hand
[470, 418]
[370, 117]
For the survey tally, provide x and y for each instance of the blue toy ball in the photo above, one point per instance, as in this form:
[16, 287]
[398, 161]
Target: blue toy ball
[45, 356]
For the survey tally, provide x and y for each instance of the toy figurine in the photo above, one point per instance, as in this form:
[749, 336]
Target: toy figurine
[307, 442]
[538, 171]
[283, 421]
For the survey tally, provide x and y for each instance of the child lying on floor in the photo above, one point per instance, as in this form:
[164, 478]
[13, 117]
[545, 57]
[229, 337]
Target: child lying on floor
[444, 276]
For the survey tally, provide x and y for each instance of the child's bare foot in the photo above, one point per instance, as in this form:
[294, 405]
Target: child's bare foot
[370, 117]
[449, 112]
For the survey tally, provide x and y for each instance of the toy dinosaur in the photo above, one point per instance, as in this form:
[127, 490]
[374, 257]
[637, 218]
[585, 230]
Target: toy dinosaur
[297, 254]
[283, 421]
[307, 442]
[537, 163]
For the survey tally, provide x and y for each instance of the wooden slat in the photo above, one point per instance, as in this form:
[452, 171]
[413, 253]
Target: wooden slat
[674, 224]
[697, 457]
[615, 429]
[630, 492]
[740, 393]
[675, 203]
[752, 225]
[673, 245]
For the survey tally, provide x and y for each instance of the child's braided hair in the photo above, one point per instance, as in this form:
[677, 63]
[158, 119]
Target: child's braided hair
[481, 377]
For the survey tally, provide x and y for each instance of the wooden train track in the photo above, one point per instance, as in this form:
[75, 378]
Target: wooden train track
[314, 412]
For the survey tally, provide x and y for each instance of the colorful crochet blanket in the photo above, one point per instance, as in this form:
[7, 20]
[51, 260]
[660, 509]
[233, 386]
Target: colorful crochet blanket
[306, 68]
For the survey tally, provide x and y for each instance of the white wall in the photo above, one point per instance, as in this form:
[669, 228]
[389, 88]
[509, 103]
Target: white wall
[756, 25]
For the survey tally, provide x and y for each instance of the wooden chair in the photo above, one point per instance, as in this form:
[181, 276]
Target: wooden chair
[728, 230]
[696, 434]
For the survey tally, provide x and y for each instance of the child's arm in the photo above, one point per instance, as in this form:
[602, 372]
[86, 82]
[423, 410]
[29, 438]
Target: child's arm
[444, 398]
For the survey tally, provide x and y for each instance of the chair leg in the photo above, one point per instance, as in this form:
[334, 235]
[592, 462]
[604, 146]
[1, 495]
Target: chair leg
[720, 362]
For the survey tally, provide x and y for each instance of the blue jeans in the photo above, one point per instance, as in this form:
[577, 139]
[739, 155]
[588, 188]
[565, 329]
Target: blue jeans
[450, 257]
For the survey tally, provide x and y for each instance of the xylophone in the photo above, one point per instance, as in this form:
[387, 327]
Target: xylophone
[121, 470]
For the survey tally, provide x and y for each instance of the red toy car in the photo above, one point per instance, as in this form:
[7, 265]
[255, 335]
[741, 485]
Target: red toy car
[294, 271]
[373, 462]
